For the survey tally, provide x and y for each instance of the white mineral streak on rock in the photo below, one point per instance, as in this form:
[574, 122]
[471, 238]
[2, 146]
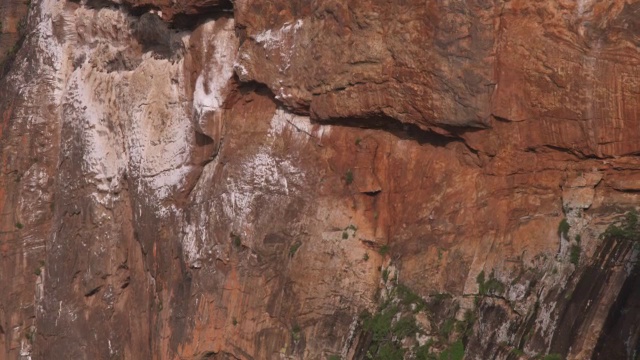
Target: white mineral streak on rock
[545, 322]
[159, 137]
[263, 178]
[271, 39]
[196, 243]
[130, 121]
[220, 48]
[103, 158]
[263, 174]
[301, 127]
[283, 39]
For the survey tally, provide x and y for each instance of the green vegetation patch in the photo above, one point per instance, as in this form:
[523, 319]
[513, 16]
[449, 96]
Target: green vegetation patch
[628, 229]
[492, 286]
[563, 228]
[574, 256]
[454, 352]
[294, 248]
[348, 177]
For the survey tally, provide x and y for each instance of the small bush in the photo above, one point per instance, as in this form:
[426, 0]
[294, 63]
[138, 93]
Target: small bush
[30, 335]
[423, 353]
[404, 327]
[578, 238]
[334, 357]
[627, 229]
[480, 281]
[237, 241]
[447, 327]
[409, 298]
[494, 286]
[348, 177]
[19, 225]
[385, 275]
[234, 321]
[454, 352]
[563, 228]
[37, 271]
[385, 344]
[384, 249]
[365, 257]
[517, 352]
[575, 254]
[345, 235]
[358, 141]
[296, 333]
[552, 357]
[294, 248]
[491, 286]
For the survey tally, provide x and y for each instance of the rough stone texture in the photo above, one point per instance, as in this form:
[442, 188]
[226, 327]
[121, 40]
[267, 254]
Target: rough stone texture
[13, 15]
[238, 188]
[427, 64]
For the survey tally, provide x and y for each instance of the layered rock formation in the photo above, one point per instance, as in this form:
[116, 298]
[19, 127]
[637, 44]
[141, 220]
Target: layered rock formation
[207, 179]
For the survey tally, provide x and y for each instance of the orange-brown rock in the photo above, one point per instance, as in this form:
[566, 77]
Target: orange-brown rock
[247, 186]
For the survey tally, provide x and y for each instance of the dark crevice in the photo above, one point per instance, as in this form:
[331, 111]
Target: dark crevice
[180, 21]
[156, 34]
[573, 152]
[92, 291]
[627, 191]
[190, 21]
[244, 88]
[97, 4]
[402, 130]
[399, 129]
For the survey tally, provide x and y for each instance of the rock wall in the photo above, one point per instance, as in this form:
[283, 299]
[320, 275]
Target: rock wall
[245, 180]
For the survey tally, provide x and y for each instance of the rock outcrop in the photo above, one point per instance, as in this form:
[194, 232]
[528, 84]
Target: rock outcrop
[180, 180]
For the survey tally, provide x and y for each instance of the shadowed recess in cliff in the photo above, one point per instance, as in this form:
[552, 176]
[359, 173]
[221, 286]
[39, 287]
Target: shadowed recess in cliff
[594, 281]
[405, 131]
[621, 334]
[187, 17]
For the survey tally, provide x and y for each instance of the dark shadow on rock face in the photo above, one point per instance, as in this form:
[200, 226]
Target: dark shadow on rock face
[152, 33]
[620, 338]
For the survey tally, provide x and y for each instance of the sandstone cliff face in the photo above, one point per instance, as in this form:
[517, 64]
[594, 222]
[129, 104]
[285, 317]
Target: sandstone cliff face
[244, 180]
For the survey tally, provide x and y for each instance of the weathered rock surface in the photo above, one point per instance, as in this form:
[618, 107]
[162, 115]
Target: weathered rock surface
[246, 186]
[13, 19]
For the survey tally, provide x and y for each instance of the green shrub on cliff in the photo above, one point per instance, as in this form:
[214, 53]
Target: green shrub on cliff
[294, 248]
[575, 254]
[563, 228]
[552, 357]
[492, 286]
[454, 352]
[348, 177]
[628, 229]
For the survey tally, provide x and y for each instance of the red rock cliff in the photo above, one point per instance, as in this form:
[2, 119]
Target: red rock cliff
[319, 180]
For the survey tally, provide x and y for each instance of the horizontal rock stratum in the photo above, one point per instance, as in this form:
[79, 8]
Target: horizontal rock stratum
[319, 179]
